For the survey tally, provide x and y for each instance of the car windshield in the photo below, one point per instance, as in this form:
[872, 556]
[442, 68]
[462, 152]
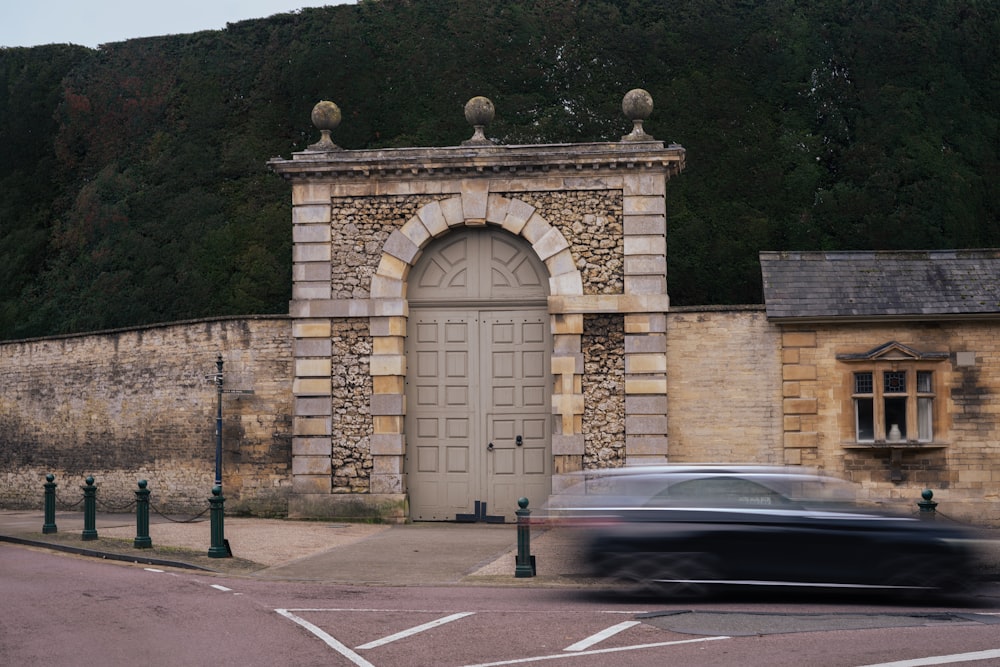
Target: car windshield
[713, 488]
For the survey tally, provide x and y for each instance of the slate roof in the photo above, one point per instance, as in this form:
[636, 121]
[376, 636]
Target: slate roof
[907, 284]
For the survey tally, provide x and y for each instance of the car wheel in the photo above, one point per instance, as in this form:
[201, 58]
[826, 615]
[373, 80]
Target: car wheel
[920, 574]
[664, 575]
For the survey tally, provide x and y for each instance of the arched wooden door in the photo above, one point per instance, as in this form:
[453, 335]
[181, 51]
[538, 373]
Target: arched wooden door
[477, 386]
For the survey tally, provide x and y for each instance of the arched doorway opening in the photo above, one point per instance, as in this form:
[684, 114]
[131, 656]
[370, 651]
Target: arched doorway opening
[478, 386]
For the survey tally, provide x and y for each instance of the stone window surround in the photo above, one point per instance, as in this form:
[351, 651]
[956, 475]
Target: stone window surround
[893, 356]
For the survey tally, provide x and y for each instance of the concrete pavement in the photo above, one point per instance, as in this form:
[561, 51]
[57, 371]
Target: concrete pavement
[331, 552]
[340, 553]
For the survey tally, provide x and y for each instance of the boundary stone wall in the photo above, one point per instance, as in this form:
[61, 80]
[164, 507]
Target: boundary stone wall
[723, 386]
[135, 404]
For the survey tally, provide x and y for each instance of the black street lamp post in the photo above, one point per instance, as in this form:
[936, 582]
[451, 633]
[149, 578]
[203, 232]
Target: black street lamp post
[218, 421]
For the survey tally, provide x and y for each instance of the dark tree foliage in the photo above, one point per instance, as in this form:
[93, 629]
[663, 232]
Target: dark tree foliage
[30, 189]
[133, 187]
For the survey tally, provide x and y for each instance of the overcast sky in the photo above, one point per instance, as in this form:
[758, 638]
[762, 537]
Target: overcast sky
[94, 22]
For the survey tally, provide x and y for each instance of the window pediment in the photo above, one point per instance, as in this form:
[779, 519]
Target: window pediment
[893, 351]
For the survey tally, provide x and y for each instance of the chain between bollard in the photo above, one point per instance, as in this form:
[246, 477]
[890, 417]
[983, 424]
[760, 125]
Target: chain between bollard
[116, 508]
[90, 502]
[189, 520]
[65, 506]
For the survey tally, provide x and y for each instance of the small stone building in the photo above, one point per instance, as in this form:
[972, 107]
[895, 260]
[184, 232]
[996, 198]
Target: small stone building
[441, 301]
[890, 367]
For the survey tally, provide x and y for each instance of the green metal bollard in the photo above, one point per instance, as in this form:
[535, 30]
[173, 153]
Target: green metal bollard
[142, 539]
[220, 547]
[928, 508]
[525, 565]
[50, 505]
[89, 510]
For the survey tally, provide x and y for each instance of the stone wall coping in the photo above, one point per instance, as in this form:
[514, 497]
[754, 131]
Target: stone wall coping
[719, 309]
[147, 327]
[419, 163]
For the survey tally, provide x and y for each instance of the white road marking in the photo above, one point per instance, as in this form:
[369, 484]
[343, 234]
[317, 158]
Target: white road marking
[601, 636]
[561, 656]
[942, 659]
[221, 588]
[356, 659]
[414, 630]
[153, 569]
[330, 641]
[626, 612]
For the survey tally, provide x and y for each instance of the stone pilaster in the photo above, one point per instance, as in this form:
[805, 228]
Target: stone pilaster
[388, 405]
[645, 388]
[800, 406]
[645, 247]
[567, 398]
[311, 385]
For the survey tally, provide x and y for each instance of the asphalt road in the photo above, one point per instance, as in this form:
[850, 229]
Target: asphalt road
[68, 610]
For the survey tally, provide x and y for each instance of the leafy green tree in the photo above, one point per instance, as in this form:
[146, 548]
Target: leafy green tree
[133, 187]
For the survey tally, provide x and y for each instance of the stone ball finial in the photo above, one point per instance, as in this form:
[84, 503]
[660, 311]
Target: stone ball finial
[637, 105]
[326, 117]
[479, 112]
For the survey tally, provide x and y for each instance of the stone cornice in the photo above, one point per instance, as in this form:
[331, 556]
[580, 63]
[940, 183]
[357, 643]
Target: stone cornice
[557, 305]
[409, 163]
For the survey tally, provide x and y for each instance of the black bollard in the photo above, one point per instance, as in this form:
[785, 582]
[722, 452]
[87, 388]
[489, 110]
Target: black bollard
[220, 547]
[928, 508]
[89, 510]
[50, 505]
[142, 539]
[525, 565]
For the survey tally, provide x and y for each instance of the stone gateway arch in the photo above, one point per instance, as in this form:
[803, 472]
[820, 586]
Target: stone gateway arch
[441, 301]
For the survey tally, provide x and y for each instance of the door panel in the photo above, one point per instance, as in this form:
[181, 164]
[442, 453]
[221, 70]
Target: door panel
[441, 433]
[518, 416]
[473, 390]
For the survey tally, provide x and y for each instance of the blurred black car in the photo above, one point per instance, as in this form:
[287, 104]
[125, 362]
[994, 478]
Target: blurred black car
[684, 530]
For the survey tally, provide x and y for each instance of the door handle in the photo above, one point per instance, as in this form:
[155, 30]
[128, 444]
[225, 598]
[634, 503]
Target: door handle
[489, 447]
[518, 441]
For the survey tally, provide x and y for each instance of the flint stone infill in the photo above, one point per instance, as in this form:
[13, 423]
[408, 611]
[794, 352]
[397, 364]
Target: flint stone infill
[407, 163]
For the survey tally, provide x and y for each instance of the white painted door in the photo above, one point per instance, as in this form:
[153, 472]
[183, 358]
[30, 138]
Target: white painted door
[443, 396]
[517, 418]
